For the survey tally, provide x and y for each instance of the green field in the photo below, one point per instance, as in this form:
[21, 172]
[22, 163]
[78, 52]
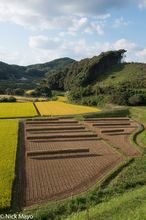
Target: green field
[8, 148]
[16, 110]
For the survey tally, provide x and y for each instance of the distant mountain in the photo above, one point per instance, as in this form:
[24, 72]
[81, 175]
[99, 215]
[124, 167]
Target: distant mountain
[15, 72]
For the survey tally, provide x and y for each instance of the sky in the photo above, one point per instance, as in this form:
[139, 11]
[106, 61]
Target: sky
[38, 31]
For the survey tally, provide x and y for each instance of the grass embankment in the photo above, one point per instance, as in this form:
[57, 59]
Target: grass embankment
[16, 110]
[139, 114]
[54, 108]
[8, 148]
[131, 206]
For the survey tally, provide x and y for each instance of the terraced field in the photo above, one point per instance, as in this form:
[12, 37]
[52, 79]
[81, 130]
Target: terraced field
[116, 131]
[61, 158]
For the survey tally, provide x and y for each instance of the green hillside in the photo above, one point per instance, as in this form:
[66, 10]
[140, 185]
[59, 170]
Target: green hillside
[50, 67]
[129, 206]
[121, 73]
[102, 79]
[11, 71]
[84, 72]
[8, 71]
[26, 77]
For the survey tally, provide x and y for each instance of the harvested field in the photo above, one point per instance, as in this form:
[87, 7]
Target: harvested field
[110, 130]
[107, 119]
[63, 165]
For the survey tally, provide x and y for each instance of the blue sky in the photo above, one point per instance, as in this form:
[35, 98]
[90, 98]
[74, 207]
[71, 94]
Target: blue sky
[37, 31]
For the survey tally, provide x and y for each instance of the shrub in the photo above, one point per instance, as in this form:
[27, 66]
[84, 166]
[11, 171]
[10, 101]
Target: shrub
[4, 99]
[12, 99]
[136, 99]
[19, 91]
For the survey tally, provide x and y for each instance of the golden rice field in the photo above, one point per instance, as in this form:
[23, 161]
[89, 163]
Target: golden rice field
[61, 99]
[12, 110]
[54, 108]
[8, 148]
[29, 91]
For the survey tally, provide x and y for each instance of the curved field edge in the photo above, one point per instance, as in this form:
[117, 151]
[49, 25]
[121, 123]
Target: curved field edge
[139, 114]
[133, 137]
[129, 206]
[17, 110]
[8, 149]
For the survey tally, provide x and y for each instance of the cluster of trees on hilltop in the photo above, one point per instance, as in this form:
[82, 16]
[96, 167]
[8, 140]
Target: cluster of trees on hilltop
[84, 72]
[81, 80]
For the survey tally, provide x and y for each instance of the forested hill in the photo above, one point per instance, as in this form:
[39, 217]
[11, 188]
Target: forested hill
[84, 72]
[102, 79]
[12, 72]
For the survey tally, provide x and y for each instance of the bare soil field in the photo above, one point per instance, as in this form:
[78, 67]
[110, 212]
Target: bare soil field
[117, 131]
[61, 158]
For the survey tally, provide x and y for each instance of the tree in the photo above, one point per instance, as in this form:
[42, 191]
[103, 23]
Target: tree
[19, 91]
[136, 99]
[43, 90]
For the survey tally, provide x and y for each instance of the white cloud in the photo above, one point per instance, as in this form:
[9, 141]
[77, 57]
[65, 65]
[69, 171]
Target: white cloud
[88, 30]
[141, 55]
[104, 16]
[134, 52]
[98, 27]
[142, 4]
[54, 48]
[15, 57]
[45, 14]
[47, 49]
[43, 42]
[120, 22]
[125, 44]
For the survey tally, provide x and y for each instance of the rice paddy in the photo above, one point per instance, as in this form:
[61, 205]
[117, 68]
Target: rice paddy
[8, 148]
[54, 108]
[13, 110]
[62, 99]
